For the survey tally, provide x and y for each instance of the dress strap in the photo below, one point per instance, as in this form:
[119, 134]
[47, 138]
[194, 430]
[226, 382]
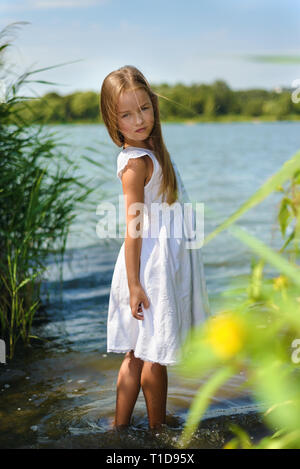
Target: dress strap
[134, 152]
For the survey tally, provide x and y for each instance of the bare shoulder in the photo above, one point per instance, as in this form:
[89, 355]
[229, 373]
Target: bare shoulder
[137, 163]
[136, 170]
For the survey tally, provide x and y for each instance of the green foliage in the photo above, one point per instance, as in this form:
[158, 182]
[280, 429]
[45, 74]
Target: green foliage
[38, 195]
[84, 105]
[256, 328]
[279, 106]
[177, 102]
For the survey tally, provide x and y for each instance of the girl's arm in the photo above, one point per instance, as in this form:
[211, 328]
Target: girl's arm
[133, 180]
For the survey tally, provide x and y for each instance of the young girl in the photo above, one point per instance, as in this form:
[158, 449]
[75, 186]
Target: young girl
[158, 290]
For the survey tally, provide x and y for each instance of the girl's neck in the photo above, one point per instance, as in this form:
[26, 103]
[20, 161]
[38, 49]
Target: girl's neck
[145, 145]
[137, 146]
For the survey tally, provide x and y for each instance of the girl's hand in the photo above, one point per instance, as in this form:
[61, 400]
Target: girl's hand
[137, 298]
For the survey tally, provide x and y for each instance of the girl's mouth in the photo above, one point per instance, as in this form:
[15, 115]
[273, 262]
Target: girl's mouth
[141, 130]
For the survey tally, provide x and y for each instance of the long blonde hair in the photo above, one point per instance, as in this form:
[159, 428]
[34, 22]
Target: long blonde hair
[129, 78]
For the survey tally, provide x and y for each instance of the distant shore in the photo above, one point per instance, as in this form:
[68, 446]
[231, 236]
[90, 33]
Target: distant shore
[220, 119]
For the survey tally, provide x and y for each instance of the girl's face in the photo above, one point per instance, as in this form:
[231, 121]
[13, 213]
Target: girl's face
[135, 112]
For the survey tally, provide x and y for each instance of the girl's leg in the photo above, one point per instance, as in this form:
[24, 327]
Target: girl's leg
[154, 382]
[128, 388]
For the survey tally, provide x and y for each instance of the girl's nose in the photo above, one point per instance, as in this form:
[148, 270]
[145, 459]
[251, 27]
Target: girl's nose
[139, 117]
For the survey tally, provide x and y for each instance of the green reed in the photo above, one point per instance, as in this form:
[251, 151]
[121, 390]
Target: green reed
[38, 201]
[257, 328]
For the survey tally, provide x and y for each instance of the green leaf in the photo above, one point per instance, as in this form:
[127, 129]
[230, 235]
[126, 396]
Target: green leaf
[243, 437]
[285, 173]
[266, 253]
[275, 59]
[201, 402]
[284, 214]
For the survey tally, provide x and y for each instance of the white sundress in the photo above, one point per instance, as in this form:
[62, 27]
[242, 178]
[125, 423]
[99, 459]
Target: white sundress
[171, 275]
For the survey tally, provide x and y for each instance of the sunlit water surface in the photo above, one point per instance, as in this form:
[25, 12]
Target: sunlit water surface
[61, 391]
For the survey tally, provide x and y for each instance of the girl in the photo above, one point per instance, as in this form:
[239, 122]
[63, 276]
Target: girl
[158, 290]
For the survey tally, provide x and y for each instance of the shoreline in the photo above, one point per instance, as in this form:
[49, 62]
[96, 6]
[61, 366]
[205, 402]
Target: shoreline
[214, 432]
[227, 119]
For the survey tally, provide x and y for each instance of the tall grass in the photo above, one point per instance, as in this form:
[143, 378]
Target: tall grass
[38, 196]
[257, 330]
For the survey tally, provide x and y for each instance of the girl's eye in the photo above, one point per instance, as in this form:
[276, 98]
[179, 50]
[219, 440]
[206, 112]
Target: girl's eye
[143, 108]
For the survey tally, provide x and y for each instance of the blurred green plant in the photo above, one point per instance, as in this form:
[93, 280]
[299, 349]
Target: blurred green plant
[39, 198]
[258, 328]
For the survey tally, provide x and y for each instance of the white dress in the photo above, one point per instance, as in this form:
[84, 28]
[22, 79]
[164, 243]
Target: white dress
[171, 275]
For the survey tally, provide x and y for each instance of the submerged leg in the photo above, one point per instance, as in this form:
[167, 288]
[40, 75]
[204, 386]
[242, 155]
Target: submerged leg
[154, 382]
[128, 388]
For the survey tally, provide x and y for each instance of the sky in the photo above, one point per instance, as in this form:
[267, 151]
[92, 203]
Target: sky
[170, 41]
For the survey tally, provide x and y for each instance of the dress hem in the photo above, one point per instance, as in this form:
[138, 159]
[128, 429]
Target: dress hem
[142, 357]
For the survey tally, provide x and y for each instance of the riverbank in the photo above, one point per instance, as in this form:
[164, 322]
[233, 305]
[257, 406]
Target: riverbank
[229, 118]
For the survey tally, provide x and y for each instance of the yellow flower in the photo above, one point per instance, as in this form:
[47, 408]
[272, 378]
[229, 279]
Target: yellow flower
[225, 334]
[279, 283]
[230, 445]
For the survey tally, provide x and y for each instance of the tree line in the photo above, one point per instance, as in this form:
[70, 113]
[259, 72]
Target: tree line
[178, 102]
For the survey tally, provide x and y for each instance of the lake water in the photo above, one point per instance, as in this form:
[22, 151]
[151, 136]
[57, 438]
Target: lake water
[61, 392]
